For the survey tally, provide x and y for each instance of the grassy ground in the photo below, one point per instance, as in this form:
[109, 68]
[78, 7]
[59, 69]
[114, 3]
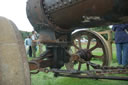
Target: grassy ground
[49, 79]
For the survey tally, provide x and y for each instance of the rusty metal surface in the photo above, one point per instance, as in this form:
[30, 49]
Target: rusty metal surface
[85, 50]
[55, 55]
[43, 61]
[95, 77]
[98, 73]
[36, 15]
[71, 13]
[55, 20]
[65, 14]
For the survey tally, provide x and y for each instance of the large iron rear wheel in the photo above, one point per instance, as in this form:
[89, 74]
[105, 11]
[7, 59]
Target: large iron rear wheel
[14, 69]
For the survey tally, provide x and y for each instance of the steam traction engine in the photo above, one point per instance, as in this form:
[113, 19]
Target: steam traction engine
[56, 20]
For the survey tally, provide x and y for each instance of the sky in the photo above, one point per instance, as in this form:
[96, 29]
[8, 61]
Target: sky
[15, 10]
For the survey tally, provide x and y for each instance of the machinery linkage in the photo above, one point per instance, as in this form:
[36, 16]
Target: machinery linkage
[73, 55]
[99, 72]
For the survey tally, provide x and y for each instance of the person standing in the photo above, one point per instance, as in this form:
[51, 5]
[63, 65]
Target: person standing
[30, 46]
[26, 43]
[121, 41]
[34, 43]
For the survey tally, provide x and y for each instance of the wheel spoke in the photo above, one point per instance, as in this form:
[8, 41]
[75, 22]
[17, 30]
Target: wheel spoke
[76, 46]
[96, 56]
[94, 47]
[79, 66]
[89, 42]
[79, 42]
[88, 68]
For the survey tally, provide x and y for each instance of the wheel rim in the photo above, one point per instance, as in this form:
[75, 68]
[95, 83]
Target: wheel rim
[91, 43]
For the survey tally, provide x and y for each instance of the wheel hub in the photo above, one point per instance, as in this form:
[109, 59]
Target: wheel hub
[84, 54]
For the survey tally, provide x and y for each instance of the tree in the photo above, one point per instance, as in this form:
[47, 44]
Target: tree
[25, 34]
[99, 29]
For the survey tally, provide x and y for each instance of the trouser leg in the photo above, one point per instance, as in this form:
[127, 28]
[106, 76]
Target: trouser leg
[30, 51]
[34, 51]
[125, 54]
[119, 53]
[40, 48]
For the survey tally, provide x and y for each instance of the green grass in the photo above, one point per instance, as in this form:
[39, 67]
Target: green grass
[49, 79]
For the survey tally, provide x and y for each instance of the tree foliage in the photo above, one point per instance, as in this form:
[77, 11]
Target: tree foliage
[25, 34]
[99, 29]
[102, 28]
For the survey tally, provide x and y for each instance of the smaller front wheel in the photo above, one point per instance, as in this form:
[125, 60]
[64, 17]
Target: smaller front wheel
[90, 46]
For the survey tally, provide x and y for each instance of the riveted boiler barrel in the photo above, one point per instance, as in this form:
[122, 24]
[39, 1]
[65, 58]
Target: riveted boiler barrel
[67, 14]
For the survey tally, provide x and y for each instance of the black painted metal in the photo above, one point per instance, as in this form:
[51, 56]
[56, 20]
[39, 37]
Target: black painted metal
[60, 54]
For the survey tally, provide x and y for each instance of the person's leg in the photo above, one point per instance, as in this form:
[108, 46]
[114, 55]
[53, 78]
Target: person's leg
[125, 54]
[40, 48]
[27, 49]
[34, 51]
[119, 53]
[30, 51]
